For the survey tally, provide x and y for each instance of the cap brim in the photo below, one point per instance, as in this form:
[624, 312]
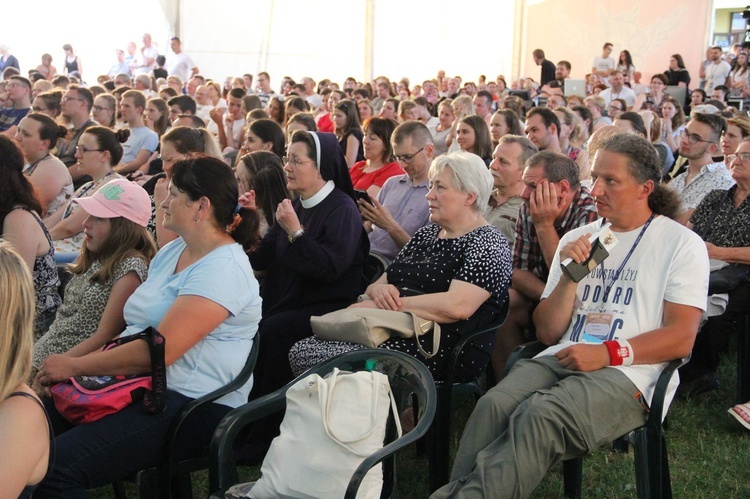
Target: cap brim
[95, 208]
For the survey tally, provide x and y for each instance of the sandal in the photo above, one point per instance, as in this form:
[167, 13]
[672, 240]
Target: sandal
[741, 413]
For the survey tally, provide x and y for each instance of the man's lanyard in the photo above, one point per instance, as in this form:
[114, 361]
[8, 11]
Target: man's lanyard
[622, 265]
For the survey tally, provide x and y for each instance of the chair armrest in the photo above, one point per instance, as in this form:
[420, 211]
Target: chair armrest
[222, 471]
[656, 408]
[242, 377]
[525, 351]
[455, 353]
[423, 425]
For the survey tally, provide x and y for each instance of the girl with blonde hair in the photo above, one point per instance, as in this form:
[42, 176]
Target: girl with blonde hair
[25, 445]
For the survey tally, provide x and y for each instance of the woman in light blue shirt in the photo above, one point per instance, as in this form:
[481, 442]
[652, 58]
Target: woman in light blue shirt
[201, 295]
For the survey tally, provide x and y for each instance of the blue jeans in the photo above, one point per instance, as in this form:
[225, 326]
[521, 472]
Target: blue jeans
[95, 454]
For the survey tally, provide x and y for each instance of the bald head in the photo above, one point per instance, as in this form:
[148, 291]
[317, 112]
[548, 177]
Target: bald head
[202, 95]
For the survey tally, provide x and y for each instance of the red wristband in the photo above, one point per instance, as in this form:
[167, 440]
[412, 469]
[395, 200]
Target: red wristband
[613, 347]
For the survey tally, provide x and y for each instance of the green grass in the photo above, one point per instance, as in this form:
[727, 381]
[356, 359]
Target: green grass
[708, 455]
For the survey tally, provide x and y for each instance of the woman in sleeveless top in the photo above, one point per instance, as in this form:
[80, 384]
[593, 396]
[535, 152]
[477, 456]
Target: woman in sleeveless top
[22, 227]
[37, 134]
[26, 444]
[72, 61]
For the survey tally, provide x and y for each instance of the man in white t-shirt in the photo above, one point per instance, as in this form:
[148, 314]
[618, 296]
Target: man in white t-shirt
[611, 335]
[604, 64]
[617, 89]
[180, 63]
[717, 73]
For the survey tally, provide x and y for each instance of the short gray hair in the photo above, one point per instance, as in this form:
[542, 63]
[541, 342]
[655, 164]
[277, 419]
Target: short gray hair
[469, 174]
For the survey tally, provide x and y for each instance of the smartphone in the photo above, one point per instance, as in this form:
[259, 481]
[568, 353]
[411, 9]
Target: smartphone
[360, 194]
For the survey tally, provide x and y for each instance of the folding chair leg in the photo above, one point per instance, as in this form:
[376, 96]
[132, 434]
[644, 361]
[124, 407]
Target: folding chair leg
[119, 489]
[743, 359]
[438, 443]
[573, 478]
[182, 486]
[666, 481]
[644, 463]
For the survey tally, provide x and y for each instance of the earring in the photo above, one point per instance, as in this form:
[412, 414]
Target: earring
[197, 219]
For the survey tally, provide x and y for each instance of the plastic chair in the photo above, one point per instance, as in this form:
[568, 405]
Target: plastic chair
[743, 358]
[375, 266]
[438, 442]
[649, 442]
[409, 380]
[173, 477]
[65, 277]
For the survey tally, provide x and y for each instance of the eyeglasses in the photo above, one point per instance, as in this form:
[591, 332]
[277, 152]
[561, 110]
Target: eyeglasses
[290, 160]
[614, 108]
[84, 149]
[408, 158]
[743, 156]
[67, 98]
[100, 108]
[39, 109]
[693, 138]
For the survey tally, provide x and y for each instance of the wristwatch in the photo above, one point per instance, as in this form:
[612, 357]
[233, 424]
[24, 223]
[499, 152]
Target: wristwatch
[296, 234]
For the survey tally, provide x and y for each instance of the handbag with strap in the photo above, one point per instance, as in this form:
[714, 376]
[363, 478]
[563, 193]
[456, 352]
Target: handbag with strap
[330, 426]
[83, 399]
[373, 326]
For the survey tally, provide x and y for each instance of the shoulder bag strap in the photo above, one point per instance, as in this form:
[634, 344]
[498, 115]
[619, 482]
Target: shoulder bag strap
[422, 326]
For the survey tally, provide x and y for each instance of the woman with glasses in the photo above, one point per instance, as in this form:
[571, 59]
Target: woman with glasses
[459, 266]
[104, 110]
[738, 129]
[314, 258]
[616, 108]
[722, 219]
[653, 99]
[98, 152]
[370, 175]
[48, 103]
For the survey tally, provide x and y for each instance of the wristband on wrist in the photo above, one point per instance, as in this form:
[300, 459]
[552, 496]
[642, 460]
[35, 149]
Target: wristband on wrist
[620, 353]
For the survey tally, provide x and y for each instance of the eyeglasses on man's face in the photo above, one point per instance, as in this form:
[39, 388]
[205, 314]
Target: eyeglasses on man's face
[744, 157]
[693, 138]
[408, 158]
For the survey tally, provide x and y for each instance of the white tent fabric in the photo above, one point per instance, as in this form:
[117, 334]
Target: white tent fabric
[330, 39]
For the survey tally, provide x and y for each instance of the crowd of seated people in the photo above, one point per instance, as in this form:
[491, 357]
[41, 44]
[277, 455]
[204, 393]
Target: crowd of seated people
[473, 193]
